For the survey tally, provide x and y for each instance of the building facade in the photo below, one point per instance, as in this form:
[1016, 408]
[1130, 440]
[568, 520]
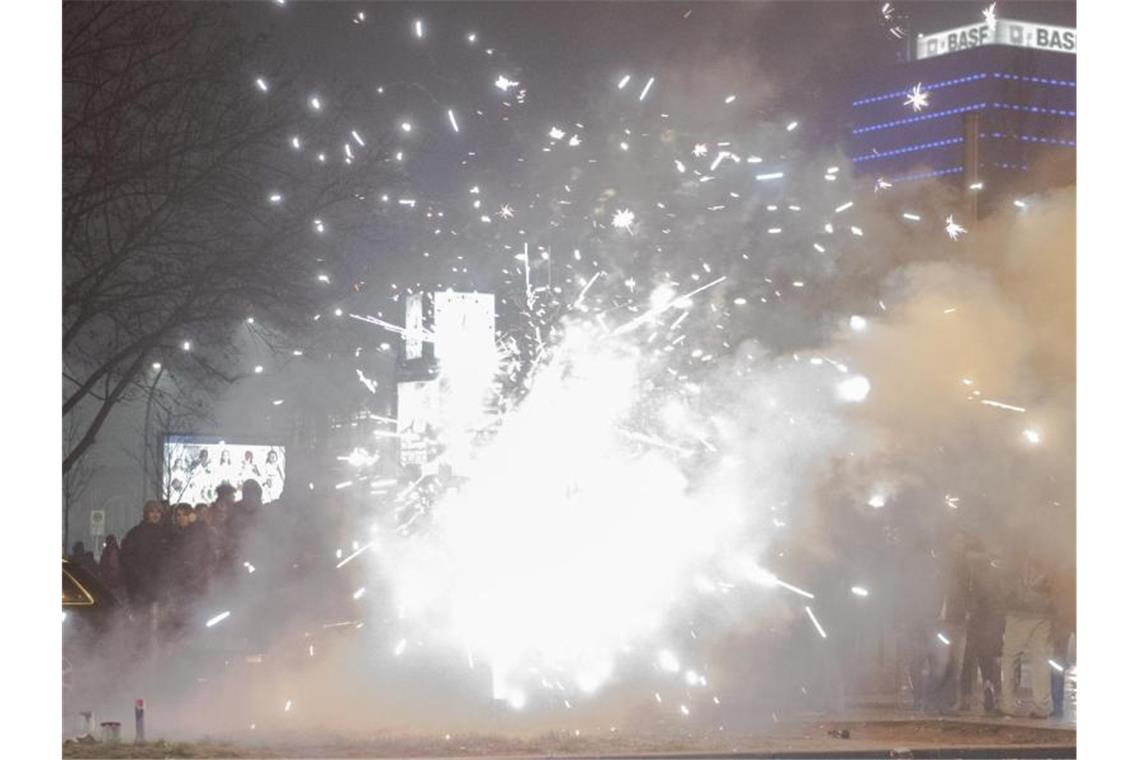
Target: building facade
[1000, 108]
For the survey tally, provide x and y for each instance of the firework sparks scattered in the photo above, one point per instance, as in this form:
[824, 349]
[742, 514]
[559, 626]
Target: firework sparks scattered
[953, 229]
[917, 98]
[583, 379]
[217, 619]
[623, 220]
[1001, 405]
[645, 90]
[505, 84]
[815, 622]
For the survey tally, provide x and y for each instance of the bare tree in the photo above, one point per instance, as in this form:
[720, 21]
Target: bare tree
[186, 210]
[77, 479]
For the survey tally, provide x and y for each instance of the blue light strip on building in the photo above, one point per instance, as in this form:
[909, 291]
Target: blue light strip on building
[956, 170]
[957, 141]
[963, 80]
[907, 149]
[934, 86]
[1036, 80]
[1035, 109]
[914, 119]
[1031, 138]
[963, 109]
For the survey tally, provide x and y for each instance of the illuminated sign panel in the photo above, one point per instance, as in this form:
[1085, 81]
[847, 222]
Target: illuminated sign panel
[1056, 39]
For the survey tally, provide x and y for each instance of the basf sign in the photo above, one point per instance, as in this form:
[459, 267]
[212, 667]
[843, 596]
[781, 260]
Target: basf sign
[1056, 39]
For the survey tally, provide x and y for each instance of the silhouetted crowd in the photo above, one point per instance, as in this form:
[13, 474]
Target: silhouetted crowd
[979, 631]
[1009, 625]
[176, 554]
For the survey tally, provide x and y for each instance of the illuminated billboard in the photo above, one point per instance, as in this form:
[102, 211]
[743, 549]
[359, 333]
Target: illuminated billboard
[1056, 39]
[193, 466]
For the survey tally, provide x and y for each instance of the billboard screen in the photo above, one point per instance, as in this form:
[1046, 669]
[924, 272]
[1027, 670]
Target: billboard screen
[193, 466]
[418, 419]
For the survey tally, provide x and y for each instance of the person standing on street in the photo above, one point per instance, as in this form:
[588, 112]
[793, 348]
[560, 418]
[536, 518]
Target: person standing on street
[948, 650]
[1027, 642]
[185, 568]
[110, 569]
[83, 558]
[143, 550]
[985, 623]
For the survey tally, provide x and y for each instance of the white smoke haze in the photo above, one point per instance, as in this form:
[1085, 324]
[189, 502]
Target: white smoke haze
[626, 534]
[589, 565]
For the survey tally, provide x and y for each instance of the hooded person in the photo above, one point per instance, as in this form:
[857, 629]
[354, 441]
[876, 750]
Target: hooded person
[141, 558]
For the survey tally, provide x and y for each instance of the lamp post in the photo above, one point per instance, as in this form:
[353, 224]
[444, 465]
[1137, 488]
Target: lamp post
[146, 427]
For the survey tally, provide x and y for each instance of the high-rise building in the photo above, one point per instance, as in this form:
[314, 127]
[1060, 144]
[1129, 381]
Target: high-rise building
[996, 103]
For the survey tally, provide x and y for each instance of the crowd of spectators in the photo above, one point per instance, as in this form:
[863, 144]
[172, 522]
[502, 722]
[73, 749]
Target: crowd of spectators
[175, 555]
[1009, 626]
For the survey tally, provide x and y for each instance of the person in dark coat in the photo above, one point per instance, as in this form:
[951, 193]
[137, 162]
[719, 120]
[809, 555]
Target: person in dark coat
[244, 514]
[185, 569]
[110, 567]
[83, 558]
[144, 548]
[221, 543]
[984, 627]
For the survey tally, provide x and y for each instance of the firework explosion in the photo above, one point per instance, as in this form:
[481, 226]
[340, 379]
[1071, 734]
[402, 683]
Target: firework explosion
[667, 393]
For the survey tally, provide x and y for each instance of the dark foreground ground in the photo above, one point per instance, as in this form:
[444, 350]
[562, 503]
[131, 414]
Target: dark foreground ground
[866, 737]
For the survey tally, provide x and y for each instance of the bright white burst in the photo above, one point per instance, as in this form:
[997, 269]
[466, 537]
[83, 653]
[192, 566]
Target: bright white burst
[506, 212]
[882, 184]
[854, 389]
[574, 141]
[556, 133]
[990, 14]
[505, 84]
[917, 99]
[700, 149]
[623, 220]
[953, 229]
